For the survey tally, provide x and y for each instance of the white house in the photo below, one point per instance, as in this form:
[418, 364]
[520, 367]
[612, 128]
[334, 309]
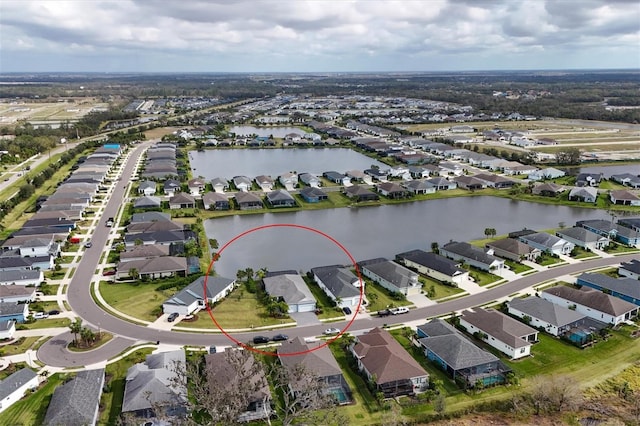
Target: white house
[435, 266]
[340, 284]
[21, 277]
[554, 319]
[548, 243]
[592, 303]
[192, 298]
[15, 386]
[7, 329]
[504, 333]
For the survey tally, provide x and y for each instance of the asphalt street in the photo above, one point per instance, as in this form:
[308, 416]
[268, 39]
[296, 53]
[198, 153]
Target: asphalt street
[54, 352]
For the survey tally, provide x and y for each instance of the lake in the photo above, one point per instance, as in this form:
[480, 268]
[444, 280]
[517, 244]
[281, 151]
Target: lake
[378, 231]
[276, 132]
[228, 163]
[607, 171]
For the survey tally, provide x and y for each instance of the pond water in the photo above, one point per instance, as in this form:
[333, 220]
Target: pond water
[607, 171]
[379, 231]
[228, 163]
[276, 132]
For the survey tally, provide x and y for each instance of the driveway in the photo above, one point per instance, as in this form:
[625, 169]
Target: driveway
[304, 319]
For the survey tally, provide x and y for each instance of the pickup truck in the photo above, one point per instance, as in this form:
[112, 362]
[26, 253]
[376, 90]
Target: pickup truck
[399, 310]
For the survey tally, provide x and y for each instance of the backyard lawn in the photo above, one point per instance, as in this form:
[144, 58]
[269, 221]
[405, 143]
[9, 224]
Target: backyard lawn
[50, 322]
[139, 300]
[31, 411]
[19, 346]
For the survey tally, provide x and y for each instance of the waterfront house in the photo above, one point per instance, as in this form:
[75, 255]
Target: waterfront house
[292, 289]
[442, 184]
[242, 183]
[548, 243]
[504, 333]
[289, 180]
[420, 187]
[219, 185]
[265, 182]
[548, 189]
[196, 186]
[614, 231]
[313, 194]
[309, 179]
[624, 197]
[280, 198]
[215, 201]
[547, 173]
[340, 284]
[388, 365]
[248, 201]
[472, 256]
[434, 266]
[586, 194]
[390, 275]
[588, 179]
[510, 248]
[584, 238]
[392, 190]
[338, 178]
[627, 179]
[360, 193]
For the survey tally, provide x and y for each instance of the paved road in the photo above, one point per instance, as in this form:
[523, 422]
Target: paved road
[79, 297]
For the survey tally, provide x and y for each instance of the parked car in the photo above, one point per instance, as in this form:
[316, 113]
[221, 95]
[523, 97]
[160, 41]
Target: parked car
[346, 310]
[399, 310]
[280, 337]
[109, 272]
[384, 313]
[54, 312]
[88, 244]
[260, 339]
[172, 316]
[40, 315]
[331, 331]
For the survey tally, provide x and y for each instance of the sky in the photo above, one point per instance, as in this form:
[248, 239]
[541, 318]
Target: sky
[317, 36]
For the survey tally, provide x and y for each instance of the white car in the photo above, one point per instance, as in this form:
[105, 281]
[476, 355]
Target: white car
[331, 331]
[399, 310]
[40, 315]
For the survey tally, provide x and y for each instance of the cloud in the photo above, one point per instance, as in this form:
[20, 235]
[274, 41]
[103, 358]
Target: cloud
[223, 35]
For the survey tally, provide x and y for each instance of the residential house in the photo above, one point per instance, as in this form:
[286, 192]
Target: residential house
[242, 183]
[360, 193]
[392, 190]
[14, 311]
[266, 183]
[14, 387]
[280, 198]
[340, 284]
[470, 182]
[145, 251]
[434, 266]
[155, 385]
[585, 194]
[584, 238]
[289, 180]
[248, 201]
[510, 248]
[147, 203]
[624, 197]
[390, 275]
[548, 189]
[312, 194]
[17, 294]
[420, 187]
[77, 401]
[448, 168]
[338, 178]
[36, 247]
[31, 277]
[230, 370]
[555, 319]
[292, 289]
[627, 179]
[630, 222]
[170, 187]
[150, 217]
[592, 303]
[547, 173]
[215, 201]
[357, 176]
[182, 201]
[442, 184]
[387, 364]
[195, 296]
[588, 179]
[464, 362]
[163, 225]
[630, 269]
[472, 256]
[159, 237]
[157, 267]
[196, 186]
[147, 188]
[219, 185]
[625, 288]
[377, 174]
[548, 243]
[310, 179]
[495, 181]
[615, 232]
[318, 360]
[507, 335]
[7, 330]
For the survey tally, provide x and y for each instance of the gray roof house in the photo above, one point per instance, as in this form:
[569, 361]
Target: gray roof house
[152, 384]
[293, 290]
[390, 275]
[149, 217]
[219, 185]
[463, 361]
[435, 266]
[248, 201]
[145, 202]
[310, 179]
[182, 201]
[147, 188]
[510, 248]
[584, 238]
[548, 243]
[192, 297]
[215, 201]
[630, 269]
[22, 277]
[157, 267]
[242, 183]
[312, 194]
[77, 401]
[627, 179]
[586, 194]
[16, 293]
[280, 198]
[504, 333]
[420, 187]
[626, 288]
[145, 251]
[592, 303]
[265, 182]
[339, 283]
[624, 197]
[154, 226]
[360, 193]
[15, 386]
[472, 255]
[554, 319]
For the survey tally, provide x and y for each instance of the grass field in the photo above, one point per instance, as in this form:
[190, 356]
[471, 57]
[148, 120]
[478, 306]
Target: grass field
[19, 346]
[138, 301]
[517, 267]
[440, 290]
[379, 298]
[31, 411]
[46, 323]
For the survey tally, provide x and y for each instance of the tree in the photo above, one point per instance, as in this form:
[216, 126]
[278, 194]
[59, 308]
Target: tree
[88, 336]
[213, 243]
[554, 394]
[568, 156]
[435, 247]
[76, 328]
[490, 232]
[134, 273]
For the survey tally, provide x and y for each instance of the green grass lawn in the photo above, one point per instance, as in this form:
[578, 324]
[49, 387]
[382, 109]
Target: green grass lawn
[111, 401]
[482, 278]
[580, 253]
[50, 322]
[440, 290]
[546, 260]
[379, 298]
[615, 248]
[138, 301]
[32, 409]
[19, 346]
[517, 267]
[323, 302]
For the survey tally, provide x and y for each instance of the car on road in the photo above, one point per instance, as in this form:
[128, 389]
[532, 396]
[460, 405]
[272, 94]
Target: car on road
[384, 313]
[40, 315]
[53, 312]
[109, 272]
[280, 337]
[88, 244]
[331, 331]
[172, 316]
[346, 310]
[260, 339]
[399, 310]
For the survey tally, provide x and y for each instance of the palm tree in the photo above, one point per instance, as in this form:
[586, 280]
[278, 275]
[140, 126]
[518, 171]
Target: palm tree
[76, 328]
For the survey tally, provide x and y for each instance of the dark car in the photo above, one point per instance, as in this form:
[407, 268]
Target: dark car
[54, 312]
[384, 313]
[172, 317]
[346, 310]
[280, 337]
[260, 339]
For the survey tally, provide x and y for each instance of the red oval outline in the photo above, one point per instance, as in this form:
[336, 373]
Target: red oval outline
[216, 256]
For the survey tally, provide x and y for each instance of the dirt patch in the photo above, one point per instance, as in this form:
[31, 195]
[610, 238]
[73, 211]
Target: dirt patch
[159, 132]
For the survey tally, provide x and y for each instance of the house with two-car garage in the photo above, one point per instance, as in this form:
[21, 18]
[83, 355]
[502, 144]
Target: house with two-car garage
[292, 289]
